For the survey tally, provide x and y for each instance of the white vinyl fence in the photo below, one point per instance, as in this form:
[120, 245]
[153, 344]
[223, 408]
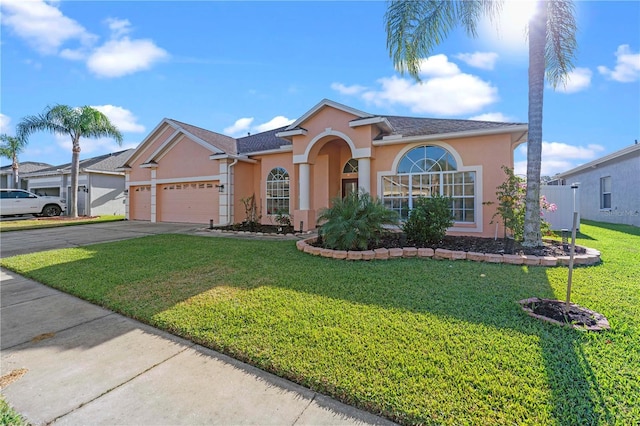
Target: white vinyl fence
[563, 197]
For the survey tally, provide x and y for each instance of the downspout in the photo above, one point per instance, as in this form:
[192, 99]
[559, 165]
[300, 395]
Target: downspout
[229, 199]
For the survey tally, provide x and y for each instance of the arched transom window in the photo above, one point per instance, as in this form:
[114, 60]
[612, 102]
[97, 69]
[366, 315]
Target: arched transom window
[351, 166]
[278, 191]
[427, 170]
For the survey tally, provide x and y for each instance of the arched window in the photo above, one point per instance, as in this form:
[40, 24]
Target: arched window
[351, 166]
[278, 191]
[427, 170]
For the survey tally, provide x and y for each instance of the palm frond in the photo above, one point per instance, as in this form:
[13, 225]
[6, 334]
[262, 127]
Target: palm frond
[415, 28]
[561, 44]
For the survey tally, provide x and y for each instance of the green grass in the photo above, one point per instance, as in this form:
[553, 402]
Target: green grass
[21, 225]
[8, 416]
[418, 341]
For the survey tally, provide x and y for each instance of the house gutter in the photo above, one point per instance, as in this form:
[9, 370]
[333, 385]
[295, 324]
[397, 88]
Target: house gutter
[397, 139]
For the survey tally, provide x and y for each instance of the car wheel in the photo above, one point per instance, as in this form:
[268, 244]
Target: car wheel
[51, 210]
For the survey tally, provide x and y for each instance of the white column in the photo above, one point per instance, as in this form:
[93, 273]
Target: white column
[364, 174]
[127, 175]
[223, 194]
[305, 172]
[153, 195]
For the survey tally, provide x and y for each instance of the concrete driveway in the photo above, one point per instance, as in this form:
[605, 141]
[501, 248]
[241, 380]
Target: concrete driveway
[21, 242]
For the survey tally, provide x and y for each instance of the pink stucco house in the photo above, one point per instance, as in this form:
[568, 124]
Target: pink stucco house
[183, 173]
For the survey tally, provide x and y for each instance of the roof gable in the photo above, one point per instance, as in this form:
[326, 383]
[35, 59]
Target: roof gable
[215, 143]
[325, 103]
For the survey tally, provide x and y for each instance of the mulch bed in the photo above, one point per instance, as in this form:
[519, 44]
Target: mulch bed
[557, 312]
[474, 244]
[257, 227]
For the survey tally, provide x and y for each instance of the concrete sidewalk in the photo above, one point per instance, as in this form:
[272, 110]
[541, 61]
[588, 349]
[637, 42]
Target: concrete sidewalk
[87, 365]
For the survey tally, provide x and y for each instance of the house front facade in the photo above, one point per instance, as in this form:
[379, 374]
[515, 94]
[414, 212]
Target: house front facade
[609, 187]
[7, 178]
[101, 186]
[183, 173]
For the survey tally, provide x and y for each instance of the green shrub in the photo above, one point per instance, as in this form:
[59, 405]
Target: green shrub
[355, 222]
[428, 220]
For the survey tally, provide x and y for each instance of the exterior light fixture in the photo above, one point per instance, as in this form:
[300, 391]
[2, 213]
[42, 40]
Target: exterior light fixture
[220, 187]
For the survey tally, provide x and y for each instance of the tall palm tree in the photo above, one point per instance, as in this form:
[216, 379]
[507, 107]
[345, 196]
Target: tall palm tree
[76, 122]
[415, 28]
[11, 147]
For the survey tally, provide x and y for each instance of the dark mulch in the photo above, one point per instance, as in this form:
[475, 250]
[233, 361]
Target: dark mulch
[258, 227]
[558, 312]
[474, 244]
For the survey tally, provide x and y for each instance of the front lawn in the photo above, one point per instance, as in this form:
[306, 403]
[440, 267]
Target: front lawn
[418, 341]
[54, 222]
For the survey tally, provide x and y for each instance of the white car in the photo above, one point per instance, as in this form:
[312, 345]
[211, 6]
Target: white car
[19, 201]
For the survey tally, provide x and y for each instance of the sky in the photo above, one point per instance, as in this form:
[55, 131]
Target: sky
[240, 67]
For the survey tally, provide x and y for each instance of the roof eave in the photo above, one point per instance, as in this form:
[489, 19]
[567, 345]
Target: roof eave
[396, 139]
[595, 163]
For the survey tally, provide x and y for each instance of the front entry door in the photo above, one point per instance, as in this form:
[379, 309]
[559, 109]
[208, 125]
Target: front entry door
[349, 186]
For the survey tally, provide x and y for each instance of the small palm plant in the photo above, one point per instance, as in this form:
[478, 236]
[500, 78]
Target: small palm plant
[355, 222]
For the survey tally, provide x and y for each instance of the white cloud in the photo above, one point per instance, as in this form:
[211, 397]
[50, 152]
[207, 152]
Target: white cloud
[627, 67]
[558, 157]
[241, 125]
[4, 123]
[577, 80]
[122, 118]
[274, 123]
[348, 90]
[438, 66]
[492, 116]
[42, 25]
[444, 90]
[118, 27]
[483, 60]
[120, 57]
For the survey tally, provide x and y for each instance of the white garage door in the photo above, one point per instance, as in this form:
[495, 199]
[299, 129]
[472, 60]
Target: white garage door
[140, 202]
[194, 202]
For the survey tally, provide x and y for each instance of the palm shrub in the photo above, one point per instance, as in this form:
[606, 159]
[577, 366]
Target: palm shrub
[428, 220]
[355, 222]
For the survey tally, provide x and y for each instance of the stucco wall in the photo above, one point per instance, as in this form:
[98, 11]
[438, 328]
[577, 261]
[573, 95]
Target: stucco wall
[186, 158]
[625, 191]
[106, 195]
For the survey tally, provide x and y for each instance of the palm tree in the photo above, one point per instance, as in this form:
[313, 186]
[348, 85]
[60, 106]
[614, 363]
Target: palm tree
[76, 122]
[415, 28]
[10, 148]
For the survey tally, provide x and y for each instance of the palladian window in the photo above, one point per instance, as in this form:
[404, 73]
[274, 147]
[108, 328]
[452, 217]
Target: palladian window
[427, 170]
[278, 191]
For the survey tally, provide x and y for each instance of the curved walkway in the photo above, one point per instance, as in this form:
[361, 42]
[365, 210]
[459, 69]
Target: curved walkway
[88, 365]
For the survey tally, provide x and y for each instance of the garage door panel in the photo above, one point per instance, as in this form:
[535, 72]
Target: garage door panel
[195, 202]
[140, 202]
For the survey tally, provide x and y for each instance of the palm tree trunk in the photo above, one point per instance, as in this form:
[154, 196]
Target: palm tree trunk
[73, 191]
[15, 166]
[537, 42]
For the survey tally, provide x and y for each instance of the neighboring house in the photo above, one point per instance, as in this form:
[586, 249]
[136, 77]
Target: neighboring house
[609, 187]
[183, 173]
[101, 186]
[6, 173]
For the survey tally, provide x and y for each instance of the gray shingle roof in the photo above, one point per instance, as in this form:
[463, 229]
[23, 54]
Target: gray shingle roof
[222, 142]
[416, 126]
[26, 167]
[104, 163]
[261, 141]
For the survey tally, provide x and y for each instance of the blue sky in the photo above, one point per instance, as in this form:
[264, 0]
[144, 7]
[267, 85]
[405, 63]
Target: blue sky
[238, 67]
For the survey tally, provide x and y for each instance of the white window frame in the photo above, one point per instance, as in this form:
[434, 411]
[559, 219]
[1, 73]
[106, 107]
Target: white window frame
[281, 187]
[603, 180]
